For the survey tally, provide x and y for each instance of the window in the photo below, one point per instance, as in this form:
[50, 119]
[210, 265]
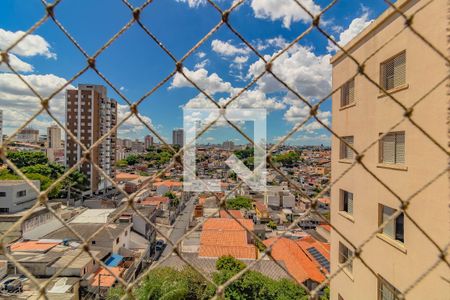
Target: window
[2, 194]
[21, 194]
[4, 210]
[117, 240]
[346, 202]
[386, 291]
[93, 242]
[394, 228]
[393, 71]
[348, 92]
[346, 152]
[344, 255]
[392, 148]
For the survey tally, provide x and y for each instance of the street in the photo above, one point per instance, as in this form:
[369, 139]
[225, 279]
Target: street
[180, 225]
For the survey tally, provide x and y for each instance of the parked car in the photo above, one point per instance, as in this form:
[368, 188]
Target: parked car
[159, 248]
[12, 284]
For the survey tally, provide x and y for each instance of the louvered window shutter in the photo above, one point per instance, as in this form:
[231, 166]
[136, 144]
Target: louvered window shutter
[400, 148]
[388, 149]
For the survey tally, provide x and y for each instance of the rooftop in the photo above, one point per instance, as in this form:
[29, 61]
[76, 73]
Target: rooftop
[93, 216]
[33, 246]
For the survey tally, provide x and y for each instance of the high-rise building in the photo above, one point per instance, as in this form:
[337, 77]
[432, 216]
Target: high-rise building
[28, 135]
[404, 159]
[228, 145]
[178, 137]
[54, 137]
[1, 126]
[148, 141]
[90, 114]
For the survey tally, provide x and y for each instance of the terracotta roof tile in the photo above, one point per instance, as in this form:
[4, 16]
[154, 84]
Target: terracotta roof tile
[299, 264]
[104, 278]
[234, 212]
[33, 246]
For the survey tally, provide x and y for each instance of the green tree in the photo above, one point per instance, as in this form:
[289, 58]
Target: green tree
[239, 202]
[121, 163]
[255, 285]
[167, 284]
[229, 263]
[27, 158]
[132, 159]
[272, 225]
[288, 158]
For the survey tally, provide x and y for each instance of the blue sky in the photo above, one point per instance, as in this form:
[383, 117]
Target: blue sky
[222, 65]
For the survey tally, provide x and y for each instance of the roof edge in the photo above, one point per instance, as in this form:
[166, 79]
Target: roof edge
[377, 23]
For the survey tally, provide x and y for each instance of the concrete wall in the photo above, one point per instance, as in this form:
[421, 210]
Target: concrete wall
[12, 201]
[399, 263]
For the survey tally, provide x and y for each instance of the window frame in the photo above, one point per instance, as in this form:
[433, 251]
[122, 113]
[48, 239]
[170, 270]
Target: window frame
[398, 224]
[383, 282]
[345, 152]
[344, 257]
[345, 93]
[383, 77]
[396, 158]
[21, 194]
[343, 206]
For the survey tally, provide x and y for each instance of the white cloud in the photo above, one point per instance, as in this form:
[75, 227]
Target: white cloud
[19, 103]
[193, 3]
[227, 49]
[132, 127]
[17, 64]
[355, 27]
[286, 10]
[240, 59]
[303, 70]
[200, 54]
[31, 45]
[202, 64]
[210, 83]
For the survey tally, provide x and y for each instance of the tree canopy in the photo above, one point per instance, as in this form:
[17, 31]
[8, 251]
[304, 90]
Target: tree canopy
[167, 283]
[239, 202]
[35, 166]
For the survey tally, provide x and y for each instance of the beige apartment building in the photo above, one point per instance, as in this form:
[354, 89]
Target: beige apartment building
[90, 114]
[405, 159]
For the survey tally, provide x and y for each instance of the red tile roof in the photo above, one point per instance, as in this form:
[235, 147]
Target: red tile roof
[300, 264]
[155, 200]
[225, 236]
[168, 183]
[324, 200]
[125, 177]
[326, 227]
[234, 212]
[104, 278]
[227, 224]
[37, 246]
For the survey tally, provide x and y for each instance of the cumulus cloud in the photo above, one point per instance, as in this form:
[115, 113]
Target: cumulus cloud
[31, 45]
[227, 49]
[355, 27]
[211, 83]
[202, 64]
[303, 70]
[132, 127]
[17, 64]
[193, 3]
[19, 103]
[200, 54]
[286, 10]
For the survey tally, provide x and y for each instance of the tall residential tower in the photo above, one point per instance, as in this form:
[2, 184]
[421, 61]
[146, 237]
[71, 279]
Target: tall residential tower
[178, 137]
[90, 114]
